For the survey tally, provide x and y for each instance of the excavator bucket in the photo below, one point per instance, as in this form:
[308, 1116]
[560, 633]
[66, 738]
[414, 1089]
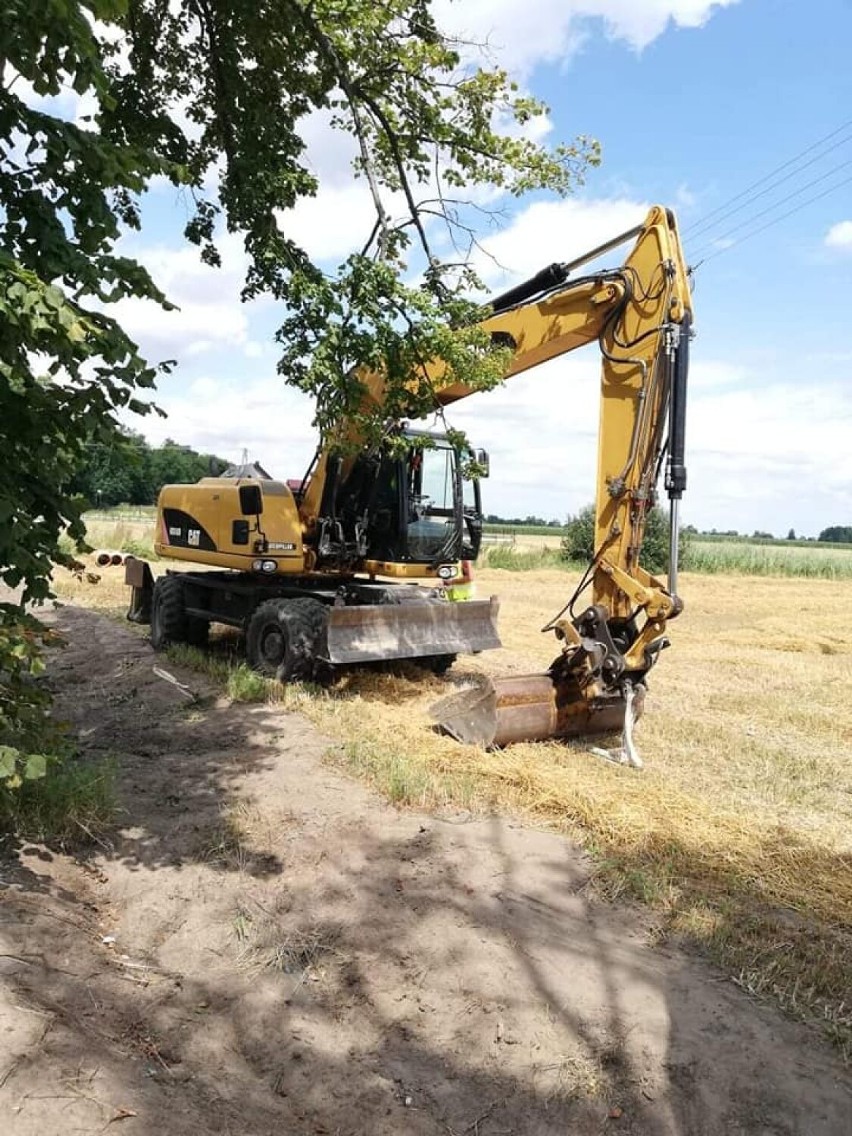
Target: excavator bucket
[535, 707]
[379, 632]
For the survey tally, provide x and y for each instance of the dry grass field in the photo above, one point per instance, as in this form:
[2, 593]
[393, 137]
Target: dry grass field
[738, 834]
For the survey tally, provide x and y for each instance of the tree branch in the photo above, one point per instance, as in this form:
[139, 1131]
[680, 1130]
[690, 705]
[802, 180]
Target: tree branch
[400, 167]
[327, 49]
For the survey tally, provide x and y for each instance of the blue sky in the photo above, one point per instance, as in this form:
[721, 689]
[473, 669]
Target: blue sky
[692, 102]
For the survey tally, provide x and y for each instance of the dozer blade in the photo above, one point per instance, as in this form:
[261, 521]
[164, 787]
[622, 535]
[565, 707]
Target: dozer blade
[377, 632]
[530, 708]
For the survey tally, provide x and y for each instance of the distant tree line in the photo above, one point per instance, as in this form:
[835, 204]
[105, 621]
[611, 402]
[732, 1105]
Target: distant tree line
[839, 534]
[834, 534]
[130, 471]
[541, 522]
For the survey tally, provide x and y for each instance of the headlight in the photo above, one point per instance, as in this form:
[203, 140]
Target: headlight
[264, 565]
[447, 571]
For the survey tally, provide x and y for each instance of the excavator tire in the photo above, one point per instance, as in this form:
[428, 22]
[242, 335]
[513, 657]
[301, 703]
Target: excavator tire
[169, 621]
[168, 615]
[284, 637]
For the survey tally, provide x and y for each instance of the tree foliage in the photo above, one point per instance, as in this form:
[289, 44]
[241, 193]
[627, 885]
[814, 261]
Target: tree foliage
[579, 540]
[218, 93]
[127, 470]
[837, 534]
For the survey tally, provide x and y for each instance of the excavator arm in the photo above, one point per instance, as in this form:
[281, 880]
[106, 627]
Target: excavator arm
[640, 314]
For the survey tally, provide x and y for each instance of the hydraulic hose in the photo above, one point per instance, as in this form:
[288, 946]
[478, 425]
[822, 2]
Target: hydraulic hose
[676, 463]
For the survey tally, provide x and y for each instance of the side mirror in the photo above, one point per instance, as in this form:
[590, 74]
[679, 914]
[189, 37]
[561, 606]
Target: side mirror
[251, 500]
[483, 461]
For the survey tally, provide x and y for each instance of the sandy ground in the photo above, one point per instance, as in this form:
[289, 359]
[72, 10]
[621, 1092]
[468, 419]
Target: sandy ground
[264, 946]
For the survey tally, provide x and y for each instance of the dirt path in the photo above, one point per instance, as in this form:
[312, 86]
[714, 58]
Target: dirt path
[291, 955]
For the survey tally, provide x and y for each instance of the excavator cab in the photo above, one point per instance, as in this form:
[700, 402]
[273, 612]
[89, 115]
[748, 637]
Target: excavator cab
[438, 514]
[418, 507]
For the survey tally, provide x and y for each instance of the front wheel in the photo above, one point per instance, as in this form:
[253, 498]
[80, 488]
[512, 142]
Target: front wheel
[284, 637]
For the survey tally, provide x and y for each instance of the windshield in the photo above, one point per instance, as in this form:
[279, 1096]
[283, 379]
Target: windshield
[431, 504]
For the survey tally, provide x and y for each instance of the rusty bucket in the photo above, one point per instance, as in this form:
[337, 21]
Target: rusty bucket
[532, 707]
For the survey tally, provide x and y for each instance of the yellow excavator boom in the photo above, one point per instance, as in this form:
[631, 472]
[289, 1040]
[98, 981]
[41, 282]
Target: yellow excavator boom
[640, 314]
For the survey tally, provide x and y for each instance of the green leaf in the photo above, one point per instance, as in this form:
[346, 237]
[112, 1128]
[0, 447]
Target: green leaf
[8, 761]
[35, 766]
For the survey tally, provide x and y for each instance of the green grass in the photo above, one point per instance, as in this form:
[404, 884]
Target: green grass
[805, 559]
[236, 677]
[75, 802]
[782, 558]
[246, 685]
[523, 559]
[217, 667]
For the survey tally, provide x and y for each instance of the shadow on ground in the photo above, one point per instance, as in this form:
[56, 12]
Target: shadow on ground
[285, 953]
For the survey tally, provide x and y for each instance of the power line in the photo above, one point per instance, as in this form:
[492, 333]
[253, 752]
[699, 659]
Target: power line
[702, 221]
[774, 221]
[703, 228]
[775, 205]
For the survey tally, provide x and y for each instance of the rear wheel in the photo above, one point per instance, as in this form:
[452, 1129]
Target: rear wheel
[168, 613]
[284, 637]
[169, 621]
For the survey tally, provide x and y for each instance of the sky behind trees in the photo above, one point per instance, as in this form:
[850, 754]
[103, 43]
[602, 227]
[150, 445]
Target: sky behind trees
[692, 103]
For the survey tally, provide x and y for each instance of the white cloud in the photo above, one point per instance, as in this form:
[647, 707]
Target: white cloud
[840, 235]
[761, 454]
[554, 230]
[210, 313]
[339, 219]
[524, 33]
[334, 223]
[540, 431]
[259, 413]
[766, 455]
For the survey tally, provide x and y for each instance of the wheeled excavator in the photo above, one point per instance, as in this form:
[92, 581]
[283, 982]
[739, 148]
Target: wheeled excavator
[320, 572]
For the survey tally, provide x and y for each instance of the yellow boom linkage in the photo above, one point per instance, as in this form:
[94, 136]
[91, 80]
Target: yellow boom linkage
[640, 314]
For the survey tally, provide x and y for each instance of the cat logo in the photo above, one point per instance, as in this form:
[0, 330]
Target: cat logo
[193, 537]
